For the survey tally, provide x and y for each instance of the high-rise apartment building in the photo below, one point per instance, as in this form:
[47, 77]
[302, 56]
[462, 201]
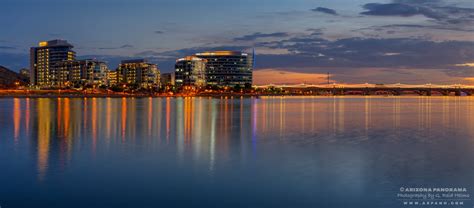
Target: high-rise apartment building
[43, 59]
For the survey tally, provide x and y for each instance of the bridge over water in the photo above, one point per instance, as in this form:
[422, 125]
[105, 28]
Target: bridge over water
[373, 89]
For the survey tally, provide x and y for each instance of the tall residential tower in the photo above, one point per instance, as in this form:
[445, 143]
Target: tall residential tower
[43, 60]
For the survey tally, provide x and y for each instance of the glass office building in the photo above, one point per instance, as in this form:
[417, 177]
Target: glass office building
[228, 68]
[190, 71]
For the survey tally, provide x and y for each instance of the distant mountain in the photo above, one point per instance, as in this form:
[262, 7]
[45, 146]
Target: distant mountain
[9, 77]
[14, 61]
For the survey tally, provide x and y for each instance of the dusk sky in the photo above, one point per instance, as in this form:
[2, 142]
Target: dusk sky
[356, 41]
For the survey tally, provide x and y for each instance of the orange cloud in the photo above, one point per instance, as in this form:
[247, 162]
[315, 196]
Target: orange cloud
[277, 76]
[469, 79]
[466, 64]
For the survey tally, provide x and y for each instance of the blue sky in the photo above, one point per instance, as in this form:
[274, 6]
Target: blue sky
[357, 41]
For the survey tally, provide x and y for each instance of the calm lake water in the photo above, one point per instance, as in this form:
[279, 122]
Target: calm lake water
[235, 152]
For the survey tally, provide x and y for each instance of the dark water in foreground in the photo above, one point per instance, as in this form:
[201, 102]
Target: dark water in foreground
[201, 152]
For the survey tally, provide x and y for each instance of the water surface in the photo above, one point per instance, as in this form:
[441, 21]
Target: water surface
[234, 152]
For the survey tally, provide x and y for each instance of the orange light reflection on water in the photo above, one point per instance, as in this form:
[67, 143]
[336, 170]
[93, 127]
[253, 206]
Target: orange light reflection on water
[94, 124]
[168, 118]
[124, 118]
[27, 116]
[108, 118]
[16, 118]
[150, 115]
[44, 135]
[206, 127]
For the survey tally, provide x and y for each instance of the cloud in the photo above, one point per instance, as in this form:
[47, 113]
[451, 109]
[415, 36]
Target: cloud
[391, 54]
[437, 10]
[148, 53]
[281, 76]
[7, 47]
[325, 10]
[469, 79]
[318, 75]
[120, 47]
[258, 35]
[316, 31]
[444, 21]
[126, 46]
[441, 31]
[275, 51]
[466, 65]
[369, 52]
[397, 9]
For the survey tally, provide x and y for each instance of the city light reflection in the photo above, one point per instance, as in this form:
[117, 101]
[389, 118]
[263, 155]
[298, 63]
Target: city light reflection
[27, 116]
[211, 129]
[16, 118]
[150, 115]
[94, 124]
[168, 119]
[44, 135]
[124, 118]
[108, 118]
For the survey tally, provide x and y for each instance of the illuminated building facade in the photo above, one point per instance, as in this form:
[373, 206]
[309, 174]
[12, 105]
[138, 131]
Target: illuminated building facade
[112, 78]
[79, 73]
[190, 71]
[44, 57]
[139, 72]
[228, 68]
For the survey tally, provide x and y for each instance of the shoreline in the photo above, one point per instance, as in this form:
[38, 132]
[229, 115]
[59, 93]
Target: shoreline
[13, 93]
[114, 95]
[217, 95]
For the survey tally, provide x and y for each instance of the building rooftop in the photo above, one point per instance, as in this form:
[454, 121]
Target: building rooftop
[55, 43]
[222, 53]
[191, 58]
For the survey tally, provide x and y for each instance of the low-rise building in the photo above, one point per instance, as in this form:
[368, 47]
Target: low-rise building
[25, 73]
[138, 72]
[79, 73]
[167, 79]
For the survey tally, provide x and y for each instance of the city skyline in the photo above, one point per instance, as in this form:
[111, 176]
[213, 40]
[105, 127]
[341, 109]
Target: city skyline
[300, 41]
[53, 64]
